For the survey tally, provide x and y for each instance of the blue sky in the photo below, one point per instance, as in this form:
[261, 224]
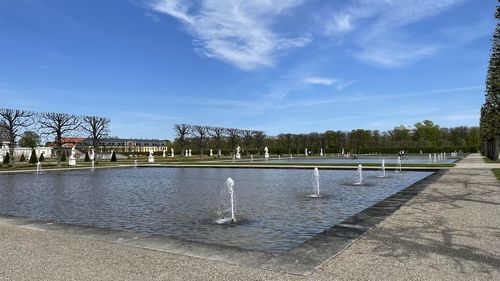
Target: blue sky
[280, 66]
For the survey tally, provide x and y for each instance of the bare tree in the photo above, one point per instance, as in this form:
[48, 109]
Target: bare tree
[97, 128]
[201, 133]
[183, 131]
[58, 125]
[232, 135]
[217, 133]
[13, 122]
[246, 137]
[259, 137]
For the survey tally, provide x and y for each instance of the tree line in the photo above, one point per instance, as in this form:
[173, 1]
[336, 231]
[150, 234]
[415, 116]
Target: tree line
[425, 136]
[15, 123]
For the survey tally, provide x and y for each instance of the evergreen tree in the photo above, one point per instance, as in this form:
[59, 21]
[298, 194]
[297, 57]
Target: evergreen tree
[22, 158]
[113, 157]
[33, 159]
[42, 158]
[87, 157]
[63, 156]
[490, 111]
[6, 159]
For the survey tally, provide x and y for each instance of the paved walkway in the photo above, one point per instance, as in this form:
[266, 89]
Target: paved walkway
[475, 161]
[450, 231]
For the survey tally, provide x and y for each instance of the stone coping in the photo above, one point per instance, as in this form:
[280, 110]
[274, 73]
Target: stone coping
[301, 260]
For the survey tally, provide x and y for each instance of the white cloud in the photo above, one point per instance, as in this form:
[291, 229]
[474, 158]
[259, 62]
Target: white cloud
[379, 24]
[321, 81]
[237, 32]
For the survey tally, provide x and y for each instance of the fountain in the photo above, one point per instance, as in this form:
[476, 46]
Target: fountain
[38, 167]
[435, 157]
[398, 166]
[439, 157]
[315, 181]
[92, 157]
[360, 175]
[291, 156]
[430, 158]
[266, 153]
[279, 157]
[305, 151]
[321, 152]
[251, 157]
[230, 188]
[135, 163]
[382, 168]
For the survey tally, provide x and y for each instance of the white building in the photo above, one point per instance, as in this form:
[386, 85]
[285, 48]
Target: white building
[18, 151]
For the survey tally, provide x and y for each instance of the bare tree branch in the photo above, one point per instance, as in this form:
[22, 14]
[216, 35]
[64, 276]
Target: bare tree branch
[13, 122]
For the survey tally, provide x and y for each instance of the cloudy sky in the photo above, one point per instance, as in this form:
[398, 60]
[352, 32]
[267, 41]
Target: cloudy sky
[279, 66]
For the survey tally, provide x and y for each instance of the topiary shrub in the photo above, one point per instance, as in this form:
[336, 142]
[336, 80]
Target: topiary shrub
[63, 156]
[6, 159]
[87, 157]
[113, 157]
[22, 158]
[42, 158]
[33, 158]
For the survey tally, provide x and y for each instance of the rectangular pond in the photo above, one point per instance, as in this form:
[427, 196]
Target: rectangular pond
[273, 209]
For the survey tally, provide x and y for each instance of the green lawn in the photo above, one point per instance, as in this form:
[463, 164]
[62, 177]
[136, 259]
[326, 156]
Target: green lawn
[487, 160]
[497, 173]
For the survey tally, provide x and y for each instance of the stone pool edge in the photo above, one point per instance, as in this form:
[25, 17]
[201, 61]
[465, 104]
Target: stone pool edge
[302, 260]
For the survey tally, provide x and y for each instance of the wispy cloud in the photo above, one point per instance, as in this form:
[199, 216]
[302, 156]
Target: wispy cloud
[379, 28]
[237, 32]
[321, 81]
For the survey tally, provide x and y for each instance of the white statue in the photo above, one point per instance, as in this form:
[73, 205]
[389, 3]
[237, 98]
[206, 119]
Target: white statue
[211, 153]
[238, 155]
[92, 154]
[151, 158]
[266, 153]
[72, 158]
[164, 153]
[321, 152]
[187, 153]
[190, 152]
[172, 154]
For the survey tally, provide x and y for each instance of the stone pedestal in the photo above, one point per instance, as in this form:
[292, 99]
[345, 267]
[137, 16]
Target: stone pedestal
[72, 161]
[151, 159]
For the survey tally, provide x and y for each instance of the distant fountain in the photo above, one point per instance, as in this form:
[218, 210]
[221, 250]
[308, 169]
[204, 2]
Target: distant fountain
[430, 158]
[315, 182]
[135, 163]
[92, 157]
[305, 151]
[291, 156]
[439, 157]
[38, 167]
[321, 152]
[360, 175]
[279, 157]
[398, 166]
[251, 157]
[435, 158]
[230, 187]
[382, 168]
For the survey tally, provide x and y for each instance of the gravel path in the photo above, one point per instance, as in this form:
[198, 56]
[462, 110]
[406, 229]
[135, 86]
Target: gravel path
[450, 231]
